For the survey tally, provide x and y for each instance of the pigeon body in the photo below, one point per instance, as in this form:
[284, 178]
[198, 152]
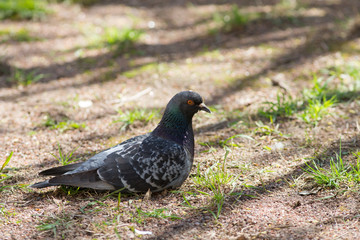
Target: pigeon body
[157, 160]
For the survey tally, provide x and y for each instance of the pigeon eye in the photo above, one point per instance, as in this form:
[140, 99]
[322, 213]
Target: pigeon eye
[190, 102]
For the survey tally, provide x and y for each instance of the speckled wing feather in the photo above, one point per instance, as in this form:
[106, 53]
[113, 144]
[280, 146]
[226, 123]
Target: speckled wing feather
[154, 164]
[97, 160]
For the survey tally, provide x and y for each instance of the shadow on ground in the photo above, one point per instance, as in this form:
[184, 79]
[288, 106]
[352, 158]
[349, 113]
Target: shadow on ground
[325, 35]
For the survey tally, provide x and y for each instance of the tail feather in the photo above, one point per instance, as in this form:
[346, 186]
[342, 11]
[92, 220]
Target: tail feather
[57, 171]
[89, 179]
[43, 184]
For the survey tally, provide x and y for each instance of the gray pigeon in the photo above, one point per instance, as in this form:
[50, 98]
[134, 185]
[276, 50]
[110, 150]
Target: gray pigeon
[157, 160]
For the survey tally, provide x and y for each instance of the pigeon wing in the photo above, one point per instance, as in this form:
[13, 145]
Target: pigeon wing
[97, 160]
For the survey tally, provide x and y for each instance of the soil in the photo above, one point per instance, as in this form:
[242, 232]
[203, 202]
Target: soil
[235, 71]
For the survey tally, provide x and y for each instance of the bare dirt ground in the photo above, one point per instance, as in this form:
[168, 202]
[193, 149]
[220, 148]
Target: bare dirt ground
[235, 71]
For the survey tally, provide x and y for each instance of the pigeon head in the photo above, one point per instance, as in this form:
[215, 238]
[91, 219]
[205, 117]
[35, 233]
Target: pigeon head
[177, 119]
[187, 103]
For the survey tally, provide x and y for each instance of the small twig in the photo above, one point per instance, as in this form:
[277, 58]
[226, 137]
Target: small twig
[131, 98]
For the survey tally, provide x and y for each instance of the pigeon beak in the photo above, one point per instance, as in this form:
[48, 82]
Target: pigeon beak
[203, 107]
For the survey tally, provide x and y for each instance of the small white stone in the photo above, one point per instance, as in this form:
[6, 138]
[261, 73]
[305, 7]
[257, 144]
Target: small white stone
[143, 232]
[278, 146]
[151, 24]
[85, 103]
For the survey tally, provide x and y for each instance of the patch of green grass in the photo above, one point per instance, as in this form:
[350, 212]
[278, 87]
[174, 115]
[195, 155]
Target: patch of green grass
[65, 158]
[212, 54]
[163, 213]
[319, 90]
[219, 181]
[70, 190]
[347, 72]
[120, 39]
[125, 37]
[62, 126]
[349, 76]
[5, 214]
[338, 175]
[230, 141]
[289, 7]
[4, 176]
[263, 129]
[316, 110]
[49, 121]
[94, 206]
[285, 106]
[131, 117]
[21, 35]
[85, 3]
[68, 125]
[288, 4]
[56, 225]
[232, 20]
[315, 102]
[23, 9]
[31, 133]
[25, 78]
[286, 11]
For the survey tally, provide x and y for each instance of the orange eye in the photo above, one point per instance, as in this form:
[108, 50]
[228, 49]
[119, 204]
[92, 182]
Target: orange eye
[190, 102]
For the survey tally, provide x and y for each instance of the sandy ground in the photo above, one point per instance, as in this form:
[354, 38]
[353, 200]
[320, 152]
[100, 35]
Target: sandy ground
[235, 71]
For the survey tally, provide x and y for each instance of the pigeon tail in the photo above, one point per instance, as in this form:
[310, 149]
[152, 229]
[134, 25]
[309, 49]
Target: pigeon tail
[56, 171]
[89, 179]
[43, 184]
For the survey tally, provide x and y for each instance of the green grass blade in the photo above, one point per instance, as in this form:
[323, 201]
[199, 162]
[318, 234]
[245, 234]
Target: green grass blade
[7, 160]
